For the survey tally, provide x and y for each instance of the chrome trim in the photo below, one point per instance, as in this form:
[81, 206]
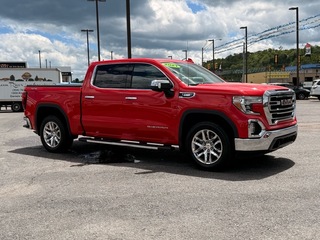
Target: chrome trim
[122, 144]
[263, 129]
[128, 143]
[28, 123]
[274, 108]
[263, 143]
[89, 97]
[131, 98]
[186, 94]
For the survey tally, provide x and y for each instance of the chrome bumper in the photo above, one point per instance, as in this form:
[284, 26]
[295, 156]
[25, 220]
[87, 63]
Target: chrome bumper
[270, 141]
[27, 123]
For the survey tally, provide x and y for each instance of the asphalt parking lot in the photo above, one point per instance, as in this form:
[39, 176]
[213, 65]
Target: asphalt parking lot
[102, 193]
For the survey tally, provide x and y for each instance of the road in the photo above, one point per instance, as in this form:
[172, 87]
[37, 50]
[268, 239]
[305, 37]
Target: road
[102, 193]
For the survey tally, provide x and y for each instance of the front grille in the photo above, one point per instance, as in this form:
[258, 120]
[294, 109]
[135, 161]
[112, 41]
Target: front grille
[279, 105]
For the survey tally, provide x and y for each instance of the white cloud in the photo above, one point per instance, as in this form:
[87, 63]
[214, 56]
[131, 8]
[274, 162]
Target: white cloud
[159, 28]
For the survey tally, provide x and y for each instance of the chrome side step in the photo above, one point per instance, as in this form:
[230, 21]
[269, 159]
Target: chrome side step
[126, 143]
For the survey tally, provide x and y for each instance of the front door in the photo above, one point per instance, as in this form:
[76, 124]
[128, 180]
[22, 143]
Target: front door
[121, 105]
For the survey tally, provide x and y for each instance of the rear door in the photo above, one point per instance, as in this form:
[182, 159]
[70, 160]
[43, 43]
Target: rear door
[102, 103]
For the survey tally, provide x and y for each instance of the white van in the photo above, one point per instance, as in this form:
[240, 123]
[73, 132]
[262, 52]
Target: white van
[315, 89]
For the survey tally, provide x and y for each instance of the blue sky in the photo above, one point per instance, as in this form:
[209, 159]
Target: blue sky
[159, 28]
[5, 29]
[195, 6]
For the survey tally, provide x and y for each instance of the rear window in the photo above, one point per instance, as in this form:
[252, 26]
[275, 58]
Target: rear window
[112, 76]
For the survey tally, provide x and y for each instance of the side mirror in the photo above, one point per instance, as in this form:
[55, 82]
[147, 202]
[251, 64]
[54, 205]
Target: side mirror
[161, 85]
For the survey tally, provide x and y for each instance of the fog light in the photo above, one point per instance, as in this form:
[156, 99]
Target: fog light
[255, 128]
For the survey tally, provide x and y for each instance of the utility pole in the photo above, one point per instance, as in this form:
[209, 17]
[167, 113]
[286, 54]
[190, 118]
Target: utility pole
[212, 40]
[297, 42]
[97, 18]
[88, 52]
[128, 28]
[246, 54]
[39, 58]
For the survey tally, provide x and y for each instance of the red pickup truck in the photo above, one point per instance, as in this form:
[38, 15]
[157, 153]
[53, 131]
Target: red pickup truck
[153, 104]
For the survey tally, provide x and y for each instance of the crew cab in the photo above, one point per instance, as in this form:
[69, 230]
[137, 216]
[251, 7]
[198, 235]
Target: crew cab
[163, 103]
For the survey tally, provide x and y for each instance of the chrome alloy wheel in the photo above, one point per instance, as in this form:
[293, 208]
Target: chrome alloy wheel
[207, 146]
[52, 134]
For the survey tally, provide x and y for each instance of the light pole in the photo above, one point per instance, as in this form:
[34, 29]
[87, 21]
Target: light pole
[202, 49]
[39, 58]
[202, 57]
[212, 40]
[297, 40]
[87, 31]
[246, 54]
[186, 51]
[128, 28]
[97, 16]
[111, 53]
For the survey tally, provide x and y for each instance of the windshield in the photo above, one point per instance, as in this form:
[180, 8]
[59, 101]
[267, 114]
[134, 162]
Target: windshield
[192, 74]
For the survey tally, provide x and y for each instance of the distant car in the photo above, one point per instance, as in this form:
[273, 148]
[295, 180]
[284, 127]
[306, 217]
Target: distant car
[315, 89]
[301, 93]
[307, 84]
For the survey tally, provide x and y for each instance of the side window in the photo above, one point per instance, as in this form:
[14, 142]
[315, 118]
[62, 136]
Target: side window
[112, 76]
[143, 74]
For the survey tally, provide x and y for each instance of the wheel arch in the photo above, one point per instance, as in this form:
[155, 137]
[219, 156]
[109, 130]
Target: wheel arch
[192, 117]
[45, 110]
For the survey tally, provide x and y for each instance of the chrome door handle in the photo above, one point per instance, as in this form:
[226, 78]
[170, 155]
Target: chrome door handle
[131, 98]
[89, 97]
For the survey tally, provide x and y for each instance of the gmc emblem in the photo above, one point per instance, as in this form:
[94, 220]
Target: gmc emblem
[286, 102]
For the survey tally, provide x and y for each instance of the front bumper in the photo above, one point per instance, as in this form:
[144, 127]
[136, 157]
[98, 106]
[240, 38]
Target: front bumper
[269, 141]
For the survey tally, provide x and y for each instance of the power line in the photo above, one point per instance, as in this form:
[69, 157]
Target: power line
[305, 24]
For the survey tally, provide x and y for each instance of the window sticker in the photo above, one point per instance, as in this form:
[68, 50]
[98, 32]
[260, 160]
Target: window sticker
[171, 65]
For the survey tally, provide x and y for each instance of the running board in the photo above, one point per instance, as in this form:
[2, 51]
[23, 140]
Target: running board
[126, 143]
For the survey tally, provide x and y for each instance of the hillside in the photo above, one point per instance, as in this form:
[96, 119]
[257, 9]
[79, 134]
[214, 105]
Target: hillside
[232, 65]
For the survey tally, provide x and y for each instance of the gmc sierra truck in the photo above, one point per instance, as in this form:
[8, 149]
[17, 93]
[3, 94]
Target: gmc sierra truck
[153, 104]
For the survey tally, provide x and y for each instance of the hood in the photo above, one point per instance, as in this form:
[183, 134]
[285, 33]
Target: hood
[239, 88]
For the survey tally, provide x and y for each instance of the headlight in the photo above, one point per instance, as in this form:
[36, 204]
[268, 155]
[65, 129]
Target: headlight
[245, 103]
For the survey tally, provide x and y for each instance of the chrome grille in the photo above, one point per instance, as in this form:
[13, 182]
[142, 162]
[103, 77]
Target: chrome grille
[279, 105]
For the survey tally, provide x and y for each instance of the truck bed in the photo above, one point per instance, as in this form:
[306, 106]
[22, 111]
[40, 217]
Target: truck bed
[65, 97]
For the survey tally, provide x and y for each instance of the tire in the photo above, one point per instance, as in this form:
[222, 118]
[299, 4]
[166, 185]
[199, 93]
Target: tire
[16, 107]
[209, 146]
[54, 135]
[301, 96]
[319, 98]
